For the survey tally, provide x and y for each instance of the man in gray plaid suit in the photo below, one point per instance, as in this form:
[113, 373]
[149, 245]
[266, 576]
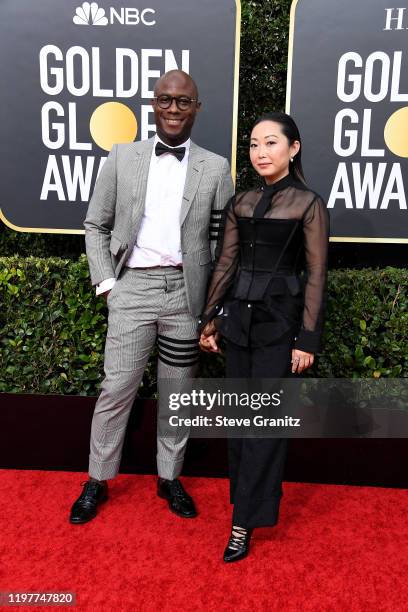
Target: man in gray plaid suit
[155, 207]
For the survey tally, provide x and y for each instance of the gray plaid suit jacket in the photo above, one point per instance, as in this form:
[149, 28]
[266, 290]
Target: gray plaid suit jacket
[116, 209]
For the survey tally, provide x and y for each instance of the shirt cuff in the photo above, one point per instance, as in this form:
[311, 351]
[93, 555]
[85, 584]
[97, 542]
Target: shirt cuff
[105, 286]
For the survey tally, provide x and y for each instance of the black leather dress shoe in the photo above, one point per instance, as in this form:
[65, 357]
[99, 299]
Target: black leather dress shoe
[179, 502]
[85, 507]
[238, 545]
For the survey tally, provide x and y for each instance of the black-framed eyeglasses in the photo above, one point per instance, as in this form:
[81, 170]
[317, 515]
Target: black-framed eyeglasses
[183, 102]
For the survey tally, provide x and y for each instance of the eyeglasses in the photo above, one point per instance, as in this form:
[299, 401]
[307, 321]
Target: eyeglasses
[183, 103]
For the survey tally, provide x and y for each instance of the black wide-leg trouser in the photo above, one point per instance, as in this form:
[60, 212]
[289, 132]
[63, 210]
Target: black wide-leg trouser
[256, 464]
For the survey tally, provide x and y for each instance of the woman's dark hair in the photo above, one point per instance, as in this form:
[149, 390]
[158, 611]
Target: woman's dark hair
[290, 129]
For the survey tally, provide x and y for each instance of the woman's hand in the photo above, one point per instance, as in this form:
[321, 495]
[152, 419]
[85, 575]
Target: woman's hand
[301, 361]
[209, 339]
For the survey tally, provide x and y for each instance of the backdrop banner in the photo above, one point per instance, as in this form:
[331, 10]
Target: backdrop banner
[77, 78]
[348, 92]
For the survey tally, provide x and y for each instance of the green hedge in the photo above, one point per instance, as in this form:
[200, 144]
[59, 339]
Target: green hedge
[53, 327]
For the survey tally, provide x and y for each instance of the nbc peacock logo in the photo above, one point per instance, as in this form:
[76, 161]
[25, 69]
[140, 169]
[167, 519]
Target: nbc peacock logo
[90, 14]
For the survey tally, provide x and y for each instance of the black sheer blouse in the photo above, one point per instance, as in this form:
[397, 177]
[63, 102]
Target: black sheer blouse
[271, 266]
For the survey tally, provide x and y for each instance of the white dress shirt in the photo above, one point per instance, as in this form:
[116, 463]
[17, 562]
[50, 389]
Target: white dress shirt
[158, 241]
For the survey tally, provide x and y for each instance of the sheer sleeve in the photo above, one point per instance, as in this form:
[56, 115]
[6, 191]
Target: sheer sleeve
[316, 238]
[226, 262]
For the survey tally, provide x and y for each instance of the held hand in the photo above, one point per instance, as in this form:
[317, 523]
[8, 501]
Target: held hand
[208, 344]
[209, 339]
[105, 294]
[301, 361]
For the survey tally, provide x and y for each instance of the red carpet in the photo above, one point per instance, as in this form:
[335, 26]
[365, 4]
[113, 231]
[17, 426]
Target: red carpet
[336, 548]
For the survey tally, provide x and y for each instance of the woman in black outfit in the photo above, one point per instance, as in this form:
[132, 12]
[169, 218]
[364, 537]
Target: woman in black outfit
[270, 315]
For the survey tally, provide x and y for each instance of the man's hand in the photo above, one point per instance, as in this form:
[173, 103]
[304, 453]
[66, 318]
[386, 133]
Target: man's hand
[105, 294]
[301, 361]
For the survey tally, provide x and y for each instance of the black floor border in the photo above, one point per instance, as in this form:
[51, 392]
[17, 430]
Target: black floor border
[51, 432]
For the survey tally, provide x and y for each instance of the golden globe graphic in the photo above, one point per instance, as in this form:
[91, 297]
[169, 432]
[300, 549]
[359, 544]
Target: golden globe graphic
[113, 123]
[85, 82]
[349, 93]
[396, 132]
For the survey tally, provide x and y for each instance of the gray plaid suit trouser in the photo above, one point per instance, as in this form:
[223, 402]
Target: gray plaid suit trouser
[144, 305]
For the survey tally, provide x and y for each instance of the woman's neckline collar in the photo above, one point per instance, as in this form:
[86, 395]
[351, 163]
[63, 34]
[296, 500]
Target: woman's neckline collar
[286, 181]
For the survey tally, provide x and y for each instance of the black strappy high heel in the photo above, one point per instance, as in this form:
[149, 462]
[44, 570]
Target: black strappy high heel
[238, 544]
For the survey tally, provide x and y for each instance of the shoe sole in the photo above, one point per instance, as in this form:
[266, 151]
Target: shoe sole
[73, 522]
[173, 511]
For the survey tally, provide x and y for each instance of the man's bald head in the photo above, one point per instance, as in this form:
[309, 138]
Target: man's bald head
[179, 77]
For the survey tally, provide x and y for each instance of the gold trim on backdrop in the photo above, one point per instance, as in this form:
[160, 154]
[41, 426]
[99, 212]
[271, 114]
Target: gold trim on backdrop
[236, 91]
[287, 106]
[377, 240]
[38, 230]
[290, 55]
[45, 230]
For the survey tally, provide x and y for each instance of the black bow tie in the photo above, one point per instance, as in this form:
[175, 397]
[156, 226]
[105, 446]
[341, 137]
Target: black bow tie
[178, 152]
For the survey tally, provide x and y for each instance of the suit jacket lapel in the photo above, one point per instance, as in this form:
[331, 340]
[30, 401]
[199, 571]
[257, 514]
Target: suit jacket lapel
[140, 169]
[194, 171]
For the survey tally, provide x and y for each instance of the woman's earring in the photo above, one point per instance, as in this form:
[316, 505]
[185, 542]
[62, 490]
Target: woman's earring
[291, 159]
